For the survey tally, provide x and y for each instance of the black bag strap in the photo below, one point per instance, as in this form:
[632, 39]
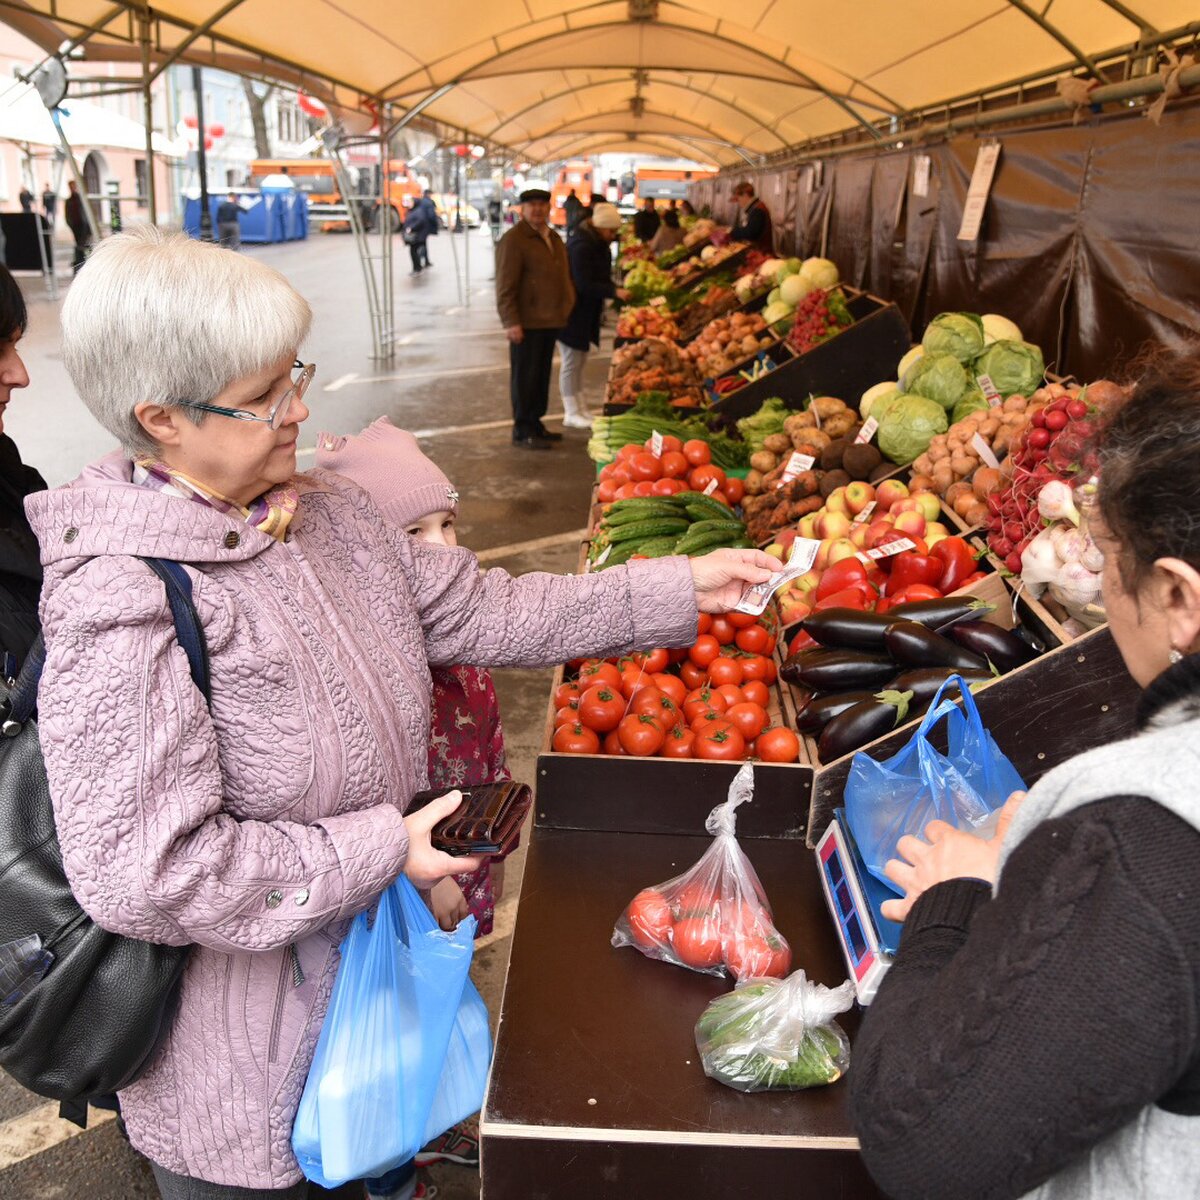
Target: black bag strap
[22, 701]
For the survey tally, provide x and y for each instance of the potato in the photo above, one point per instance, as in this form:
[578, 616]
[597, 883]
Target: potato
[989, 426]
[923, 465]
[798, 420]
[778, 443]
[943, 477]
[937, 453]
[817, 438]
[764, 460]
[1015, 404]
[828, 406]
[963, 465]
[754, 482]
[956, 491]
[840, 424]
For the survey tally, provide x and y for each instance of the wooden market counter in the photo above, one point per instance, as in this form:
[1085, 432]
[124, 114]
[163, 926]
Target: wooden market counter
[596, 1088]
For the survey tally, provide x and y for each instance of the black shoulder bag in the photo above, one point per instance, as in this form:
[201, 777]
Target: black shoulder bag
[81, 1009]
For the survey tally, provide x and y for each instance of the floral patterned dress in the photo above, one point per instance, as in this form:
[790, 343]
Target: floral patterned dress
[466, 748]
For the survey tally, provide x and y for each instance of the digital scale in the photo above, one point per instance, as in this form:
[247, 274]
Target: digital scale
[869, 940]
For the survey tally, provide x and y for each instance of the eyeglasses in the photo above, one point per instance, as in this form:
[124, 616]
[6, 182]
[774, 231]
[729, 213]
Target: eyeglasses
[279, 410]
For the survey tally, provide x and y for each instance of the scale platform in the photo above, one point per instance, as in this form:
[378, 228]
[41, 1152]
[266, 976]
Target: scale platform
[869, 941]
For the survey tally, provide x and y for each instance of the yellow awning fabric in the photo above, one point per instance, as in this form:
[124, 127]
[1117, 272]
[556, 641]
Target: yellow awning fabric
[704, 79]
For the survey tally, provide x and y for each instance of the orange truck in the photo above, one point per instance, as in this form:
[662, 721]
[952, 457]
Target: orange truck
[581, 176]
[663, 184]
[318, 180]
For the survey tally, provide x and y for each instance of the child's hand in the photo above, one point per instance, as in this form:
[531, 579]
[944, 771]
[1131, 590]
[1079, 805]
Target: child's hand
[448, 903]
[497, 881]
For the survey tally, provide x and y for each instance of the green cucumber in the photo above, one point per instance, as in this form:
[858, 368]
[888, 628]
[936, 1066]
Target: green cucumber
[733, 526]
[639, 531]
[658, 547]
[702, 543]
[626, 516]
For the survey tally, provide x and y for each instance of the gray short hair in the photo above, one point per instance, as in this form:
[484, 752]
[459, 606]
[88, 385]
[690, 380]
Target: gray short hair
[157, 316]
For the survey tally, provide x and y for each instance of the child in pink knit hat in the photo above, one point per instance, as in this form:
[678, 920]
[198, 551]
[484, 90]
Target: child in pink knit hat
[466, 745]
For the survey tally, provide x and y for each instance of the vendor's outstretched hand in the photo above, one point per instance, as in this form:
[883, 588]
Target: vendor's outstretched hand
[425, 865]
[721, 576]
[946, 853]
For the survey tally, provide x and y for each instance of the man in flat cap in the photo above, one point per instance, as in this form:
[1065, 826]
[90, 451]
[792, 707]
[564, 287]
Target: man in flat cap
[534, 296]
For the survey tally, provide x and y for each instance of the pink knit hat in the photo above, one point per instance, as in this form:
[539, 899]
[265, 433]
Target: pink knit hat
[387, 463]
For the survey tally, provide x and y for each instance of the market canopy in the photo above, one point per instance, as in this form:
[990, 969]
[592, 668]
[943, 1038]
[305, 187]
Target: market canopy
[698, 79]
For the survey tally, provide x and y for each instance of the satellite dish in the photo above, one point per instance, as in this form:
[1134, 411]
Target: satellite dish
[50, 79]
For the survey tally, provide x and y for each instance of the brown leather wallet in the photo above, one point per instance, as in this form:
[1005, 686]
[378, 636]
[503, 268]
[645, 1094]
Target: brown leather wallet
[488, 821]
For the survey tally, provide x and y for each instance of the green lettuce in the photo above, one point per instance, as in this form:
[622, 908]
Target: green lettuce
[1015, 368]
[939, 377]
[907, 424]
[960, 334]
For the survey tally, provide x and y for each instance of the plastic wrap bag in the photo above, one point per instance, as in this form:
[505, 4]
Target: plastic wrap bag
[715, 917]
[901, 795]
[775, 1035]
[397, 1055]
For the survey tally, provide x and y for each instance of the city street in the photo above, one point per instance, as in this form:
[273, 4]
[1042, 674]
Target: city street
[448, 383]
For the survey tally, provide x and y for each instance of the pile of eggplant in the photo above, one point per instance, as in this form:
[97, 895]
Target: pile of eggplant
[870, 672]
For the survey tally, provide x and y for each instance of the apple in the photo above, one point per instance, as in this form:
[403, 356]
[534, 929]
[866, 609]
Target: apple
[932, 539]
[888, 492]
[793, 609]
[928, 505]
[806, 527]
[859, 534]
[935, 529]
[785, 538]
[910, 523]
[775, 550]
[822, 559]
[832, 525]
[876, 531]
[842, 548]
[835, 502]
[808, 581]
[858, 496]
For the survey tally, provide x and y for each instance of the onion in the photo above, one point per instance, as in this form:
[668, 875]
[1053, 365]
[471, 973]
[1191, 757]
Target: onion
[1056, 503]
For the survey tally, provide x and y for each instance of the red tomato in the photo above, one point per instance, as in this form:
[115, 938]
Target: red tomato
[625, 492]
[747, 957]
[701, 477]
[612, 744]
[678, 743]
[758, 667]
[606, 492]
[645, 466]
[652, 661]
[665, 487]
[669, 443]
[708, 717]
[741, 620]
[695, 899]
[598, 670]
[781, 957]
[723, 630]
[730, 693]
[651, 702]
[703, 623]
[726, 670]
[778, 745]
[674, 465]
[671, 685]
[640, 735]
[565, 693]
[575, 739]
[606, 472]
[645, 488]
[601, 708]
[700, 701]
[619, 474]
[692, 675]
[750, 719]
[756, 692]
[735, 490]
[972, 580]
[627, 452]
[719, 496]
[650, 920]
[753, 639]
[697, 452]
[716, 742]
[705, 649]
[568, 714]
[697, 943]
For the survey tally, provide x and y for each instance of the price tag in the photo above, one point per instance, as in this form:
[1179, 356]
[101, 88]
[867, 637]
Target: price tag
[710, 487]
[657, 301]
[988, 388]
[816, 412]
[864, 516]
[656, 444]
[796, 465]
[755, 596]
[867, 432]
[602, 557]
[898, 547]
[984, 451]
[977, 193]
[921, 164]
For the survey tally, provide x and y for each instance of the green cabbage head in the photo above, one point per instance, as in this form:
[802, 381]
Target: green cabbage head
[939, 377]
[1015, 367]
[907, 425]
[960, 334]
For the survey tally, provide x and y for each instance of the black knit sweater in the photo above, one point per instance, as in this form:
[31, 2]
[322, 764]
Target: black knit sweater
[1014, 1033]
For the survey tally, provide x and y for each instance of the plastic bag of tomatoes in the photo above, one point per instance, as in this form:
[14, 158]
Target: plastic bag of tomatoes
[715, 917]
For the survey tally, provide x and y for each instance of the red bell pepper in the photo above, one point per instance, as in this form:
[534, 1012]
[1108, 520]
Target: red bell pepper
[972, 580]
[842, 574]
[857, 596]
[914, 592]
[911, 567]
[957, 560]
[888, 562]
[802, 641]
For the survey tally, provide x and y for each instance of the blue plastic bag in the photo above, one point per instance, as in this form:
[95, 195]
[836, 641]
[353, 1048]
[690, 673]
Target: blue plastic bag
[404, 1046]
[901, 795]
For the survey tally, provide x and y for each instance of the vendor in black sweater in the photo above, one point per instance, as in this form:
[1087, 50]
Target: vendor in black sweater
[1039, 1032]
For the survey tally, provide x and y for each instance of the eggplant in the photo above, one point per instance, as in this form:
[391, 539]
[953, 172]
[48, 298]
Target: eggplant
[1001, 647]
[822, 709]
[848, 628]
[862, 724]
[912, 645]
[925, 681]
[838, 670]
[937, 614]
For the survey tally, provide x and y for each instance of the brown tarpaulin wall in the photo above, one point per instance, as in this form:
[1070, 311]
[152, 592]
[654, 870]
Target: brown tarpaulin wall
[1090, 239]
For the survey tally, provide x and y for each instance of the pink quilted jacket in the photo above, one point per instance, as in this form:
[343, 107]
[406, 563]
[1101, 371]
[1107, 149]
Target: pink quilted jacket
[269, 823]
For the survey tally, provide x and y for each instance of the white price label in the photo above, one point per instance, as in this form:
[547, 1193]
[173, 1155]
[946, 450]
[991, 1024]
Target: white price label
[602, 557]
[656, 444]
[984, 451]
[864, 516]
[977, 193]
[796, 465]
[710, 487]
[988, 388]
[816, 412]
[897, 547]
[755, 596]
[867, 432]
[657, 301]
[921, 164]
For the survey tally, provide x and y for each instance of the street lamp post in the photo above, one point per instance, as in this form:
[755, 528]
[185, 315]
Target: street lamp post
[206, 229]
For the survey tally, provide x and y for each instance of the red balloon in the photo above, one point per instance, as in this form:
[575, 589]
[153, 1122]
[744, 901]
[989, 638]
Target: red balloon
[216, 131]
[190, 122]
[461, 151]
[208, 143]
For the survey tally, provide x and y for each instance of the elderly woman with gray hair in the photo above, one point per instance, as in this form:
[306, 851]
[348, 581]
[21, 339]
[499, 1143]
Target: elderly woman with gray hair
[253, 830]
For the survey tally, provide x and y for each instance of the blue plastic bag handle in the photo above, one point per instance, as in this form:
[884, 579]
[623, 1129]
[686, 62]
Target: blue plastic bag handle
[939, 708]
